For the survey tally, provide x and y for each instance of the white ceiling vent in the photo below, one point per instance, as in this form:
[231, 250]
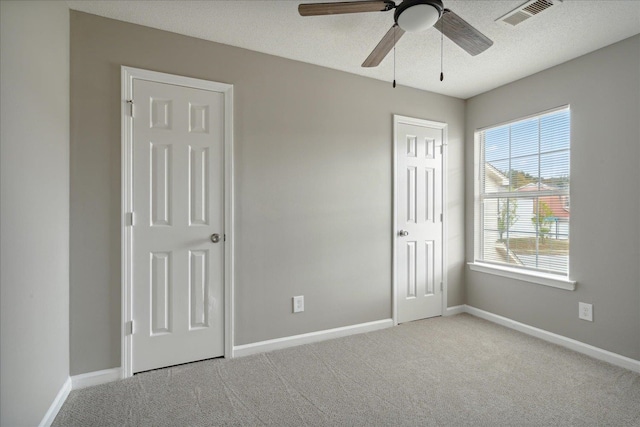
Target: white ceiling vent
[526, 11]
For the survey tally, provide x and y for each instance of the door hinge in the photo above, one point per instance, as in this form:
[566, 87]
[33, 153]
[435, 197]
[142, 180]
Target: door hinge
[224, 237]
[441, 217]
[129, 328]
[129, 219]
[441, 148]
[130, 107]
[441, 287]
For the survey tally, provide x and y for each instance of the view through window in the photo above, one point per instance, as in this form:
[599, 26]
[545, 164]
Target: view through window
[524, 193]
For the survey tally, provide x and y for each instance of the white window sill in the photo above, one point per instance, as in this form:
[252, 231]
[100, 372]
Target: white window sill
[528, 276]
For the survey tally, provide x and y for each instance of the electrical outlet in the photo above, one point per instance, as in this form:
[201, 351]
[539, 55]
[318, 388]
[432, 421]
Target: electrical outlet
[585, 311]
[298, 304]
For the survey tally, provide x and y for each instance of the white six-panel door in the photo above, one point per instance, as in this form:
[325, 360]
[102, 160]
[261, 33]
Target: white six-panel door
[178, 232]
[418, 227]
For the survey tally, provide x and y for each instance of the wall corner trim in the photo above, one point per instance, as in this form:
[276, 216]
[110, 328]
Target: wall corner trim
[295, 340]
[571, 344]
[57, 403]
[456, 309]
[95, 378]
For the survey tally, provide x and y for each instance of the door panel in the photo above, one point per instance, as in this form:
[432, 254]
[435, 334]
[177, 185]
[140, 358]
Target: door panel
[418, 221]
[178, 141]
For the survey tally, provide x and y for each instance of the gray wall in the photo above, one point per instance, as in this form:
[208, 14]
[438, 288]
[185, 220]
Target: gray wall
[313, 159]
[34, 194]
[603, 89]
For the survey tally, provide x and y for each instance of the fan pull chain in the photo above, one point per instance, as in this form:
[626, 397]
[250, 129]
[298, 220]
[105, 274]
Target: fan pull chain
[394, 56]
[441, 48]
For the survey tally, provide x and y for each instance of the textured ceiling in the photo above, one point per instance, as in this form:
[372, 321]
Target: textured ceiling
[558, 34]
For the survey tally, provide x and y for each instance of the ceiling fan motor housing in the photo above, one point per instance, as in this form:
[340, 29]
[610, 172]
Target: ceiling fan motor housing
[418, 15]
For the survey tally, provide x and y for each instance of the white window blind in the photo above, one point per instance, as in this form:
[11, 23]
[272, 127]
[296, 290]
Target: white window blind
[523, 207]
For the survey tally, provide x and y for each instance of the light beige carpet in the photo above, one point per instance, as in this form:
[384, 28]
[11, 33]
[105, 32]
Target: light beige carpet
[451, 371]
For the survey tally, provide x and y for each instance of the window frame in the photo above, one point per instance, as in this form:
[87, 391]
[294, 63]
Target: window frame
[541, 277]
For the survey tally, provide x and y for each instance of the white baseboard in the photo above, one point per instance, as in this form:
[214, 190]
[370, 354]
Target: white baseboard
[295, 340]
[95, 378]
[57, 403]
[456, 309]
[580, 347]
[108, 375]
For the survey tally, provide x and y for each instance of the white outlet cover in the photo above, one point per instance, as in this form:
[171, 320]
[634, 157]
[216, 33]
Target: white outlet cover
[585, 311]
[298, 304]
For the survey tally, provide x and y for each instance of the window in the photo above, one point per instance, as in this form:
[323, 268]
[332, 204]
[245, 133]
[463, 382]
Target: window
[522, 212]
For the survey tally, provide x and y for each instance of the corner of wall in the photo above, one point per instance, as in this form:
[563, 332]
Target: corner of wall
[35, 86]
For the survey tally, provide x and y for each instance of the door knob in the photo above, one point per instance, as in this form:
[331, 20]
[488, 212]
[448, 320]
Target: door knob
[215, 238]
[403, 233]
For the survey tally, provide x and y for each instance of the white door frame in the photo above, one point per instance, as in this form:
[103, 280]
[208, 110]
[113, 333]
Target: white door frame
[128, 75]
[397, 120]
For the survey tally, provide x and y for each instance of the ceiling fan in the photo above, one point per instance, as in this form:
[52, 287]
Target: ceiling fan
[409, 16]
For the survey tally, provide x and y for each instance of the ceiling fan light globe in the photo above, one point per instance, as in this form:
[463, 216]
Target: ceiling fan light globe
[418, 18]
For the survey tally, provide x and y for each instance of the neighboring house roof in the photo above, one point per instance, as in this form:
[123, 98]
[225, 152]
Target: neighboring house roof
[533, 186]
[498, 177]
[557, 204]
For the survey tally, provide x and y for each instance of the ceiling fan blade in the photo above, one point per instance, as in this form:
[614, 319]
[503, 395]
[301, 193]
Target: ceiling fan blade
[462, 33]
[384, 47]
[313, 9]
